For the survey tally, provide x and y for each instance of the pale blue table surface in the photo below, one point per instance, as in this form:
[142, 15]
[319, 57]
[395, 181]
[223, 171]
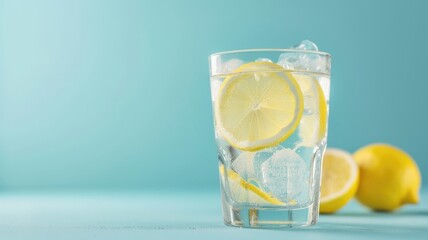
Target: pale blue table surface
[182, 215]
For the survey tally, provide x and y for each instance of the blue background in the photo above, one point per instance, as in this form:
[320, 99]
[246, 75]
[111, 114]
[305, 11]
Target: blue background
[115, 94]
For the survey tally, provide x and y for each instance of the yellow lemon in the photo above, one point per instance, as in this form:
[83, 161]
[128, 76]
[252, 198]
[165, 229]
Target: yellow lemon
[313, 125]
[389, 177]
[258, 106]
[339, 181]
[242, 191]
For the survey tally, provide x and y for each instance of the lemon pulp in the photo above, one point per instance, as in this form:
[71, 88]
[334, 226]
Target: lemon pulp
[242, 191]
[259, 105]
[339, 181]
[313, 125]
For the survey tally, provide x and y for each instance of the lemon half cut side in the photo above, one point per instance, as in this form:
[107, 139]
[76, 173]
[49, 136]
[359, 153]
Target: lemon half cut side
[339, 183]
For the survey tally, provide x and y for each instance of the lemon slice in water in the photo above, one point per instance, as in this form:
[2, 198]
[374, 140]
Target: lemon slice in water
[242, 191]
[259, 105]
[313, 125]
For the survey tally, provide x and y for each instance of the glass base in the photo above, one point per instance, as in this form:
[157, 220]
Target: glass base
[258, 217]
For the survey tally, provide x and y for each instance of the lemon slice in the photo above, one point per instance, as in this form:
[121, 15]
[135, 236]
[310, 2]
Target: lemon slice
[339, 180]
[258, 106]
[242, 191]
[313, 125]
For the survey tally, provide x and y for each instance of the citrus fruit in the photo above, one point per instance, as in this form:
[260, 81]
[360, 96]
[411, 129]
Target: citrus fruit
[258, 106]
[389, 178]
[313, 125]
[242, 191]
[339, 181]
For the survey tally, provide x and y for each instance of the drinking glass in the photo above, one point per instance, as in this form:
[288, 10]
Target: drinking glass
[270, 110]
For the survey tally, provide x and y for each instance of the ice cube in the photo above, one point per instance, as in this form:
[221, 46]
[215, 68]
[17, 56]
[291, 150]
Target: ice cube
[305, 61]
[226, 152]
[289, 60]
[315, 63]
[306, 45]
[286, 176]
[230, 65]
[244, 165]
[261, 156]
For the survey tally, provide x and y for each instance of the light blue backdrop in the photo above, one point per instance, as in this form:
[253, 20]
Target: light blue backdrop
[115, 94]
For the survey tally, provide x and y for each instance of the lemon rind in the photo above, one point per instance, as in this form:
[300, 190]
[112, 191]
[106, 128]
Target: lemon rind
[284, 133]
[232, 175]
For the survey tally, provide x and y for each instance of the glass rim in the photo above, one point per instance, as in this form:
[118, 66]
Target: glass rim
[271, 50]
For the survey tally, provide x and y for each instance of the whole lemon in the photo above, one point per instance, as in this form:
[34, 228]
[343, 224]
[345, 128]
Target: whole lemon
[389, 178]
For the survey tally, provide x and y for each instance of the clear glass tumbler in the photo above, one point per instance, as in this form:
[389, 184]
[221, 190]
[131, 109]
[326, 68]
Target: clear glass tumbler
[270, 110]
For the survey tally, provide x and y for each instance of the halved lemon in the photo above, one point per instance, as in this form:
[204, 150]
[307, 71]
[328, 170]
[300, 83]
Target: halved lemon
[313, 125]
[242, 191]
[259, 105]
[339, 182]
